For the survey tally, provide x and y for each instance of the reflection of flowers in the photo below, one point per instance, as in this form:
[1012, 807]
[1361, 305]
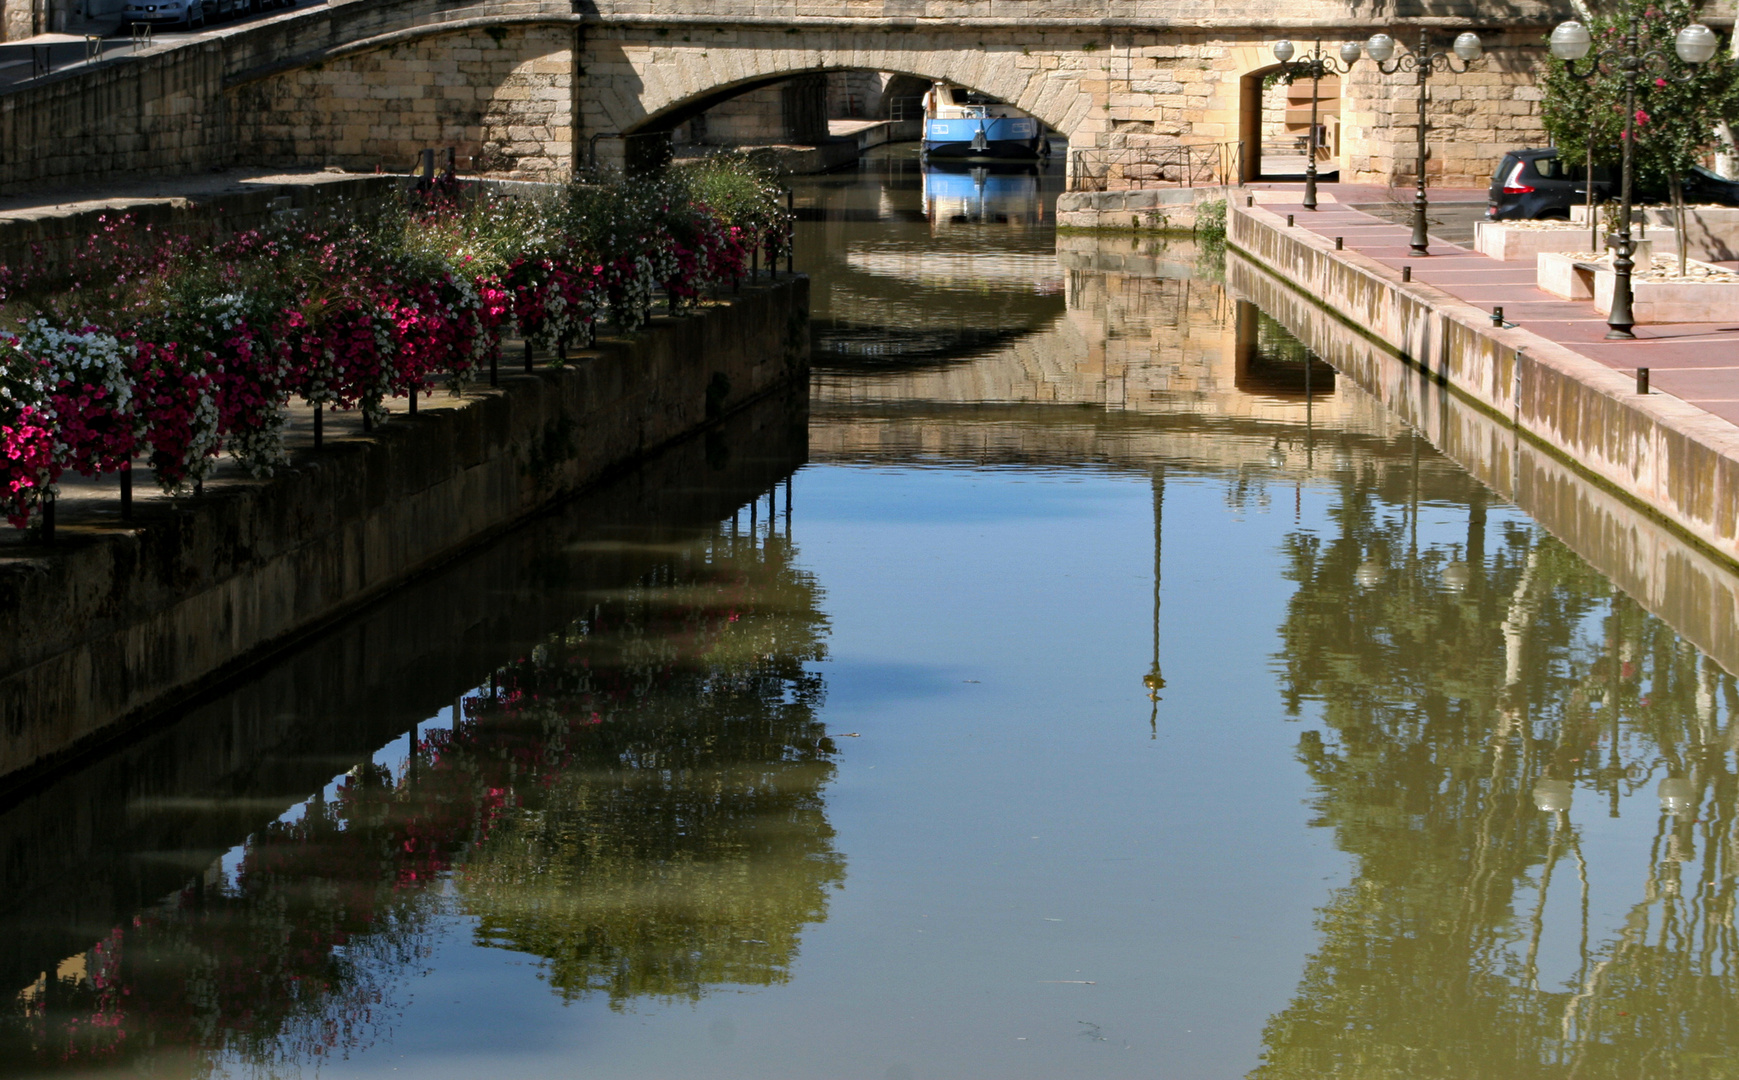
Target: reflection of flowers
[666, 734]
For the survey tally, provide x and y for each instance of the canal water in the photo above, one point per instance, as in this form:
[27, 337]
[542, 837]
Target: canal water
[1093, 684]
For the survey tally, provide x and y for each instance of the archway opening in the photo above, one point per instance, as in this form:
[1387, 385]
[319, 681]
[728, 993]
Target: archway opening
[791, 110]
[1274, 124]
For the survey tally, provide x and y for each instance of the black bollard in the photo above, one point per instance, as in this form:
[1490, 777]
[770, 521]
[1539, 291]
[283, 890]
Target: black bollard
[319, 427]
[528, 358]
[127, 491]
[1340, 242]
[1406, 273]
[1642, 380]
[413, 401]
[48, 519]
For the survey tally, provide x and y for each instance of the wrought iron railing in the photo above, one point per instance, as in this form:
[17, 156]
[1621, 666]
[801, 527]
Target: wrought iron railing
[1133, 168]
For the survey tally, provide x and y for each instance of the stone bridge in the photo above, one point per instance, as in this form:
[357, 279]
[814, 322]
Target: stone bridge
[537, 87]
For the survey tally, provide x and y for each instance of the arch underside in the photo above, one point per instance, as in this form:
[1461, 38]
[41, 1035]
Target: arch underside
[655, 86]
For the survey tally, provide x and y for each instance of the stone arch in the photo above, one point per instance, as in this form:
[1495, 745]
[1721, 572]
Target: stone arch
[644, 84]
[1248, 65]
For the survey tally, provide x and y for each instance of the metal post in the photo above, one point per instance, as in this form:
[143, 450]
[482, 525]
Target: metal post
[413, 401]
[127, 491]
[48, 519]
[1642, 380]
[319, 426]
[1421, 242]
[1622, 318]
[1310, 162]
[528, 358]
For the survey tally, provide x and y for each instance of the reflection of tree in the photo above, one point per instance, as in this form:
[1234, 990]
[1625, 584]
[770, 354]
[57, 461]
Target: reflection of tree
[1464, 695]
[639, 801]
[684, 844]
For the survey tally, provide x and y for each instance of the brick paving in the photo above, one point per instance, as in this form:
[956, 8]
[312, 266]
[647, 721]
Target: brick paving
[1696, 362]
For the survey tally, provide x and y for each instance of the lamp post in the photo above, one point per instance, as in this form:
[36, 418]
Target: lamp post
[1315, 65]
[1570, 42]
[1468, 49]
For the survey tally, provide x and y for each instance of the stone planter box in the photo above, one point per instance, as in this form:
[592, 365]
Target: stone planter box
[1672, 301]
[1508, 242]
[1558, 272]
[1711, 232]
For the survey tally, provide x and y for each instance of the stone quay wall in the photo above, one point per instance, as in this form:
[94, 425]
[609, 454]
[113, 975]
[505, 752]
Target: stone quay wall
[1684, 582]
[1665, 455]
[109, 628]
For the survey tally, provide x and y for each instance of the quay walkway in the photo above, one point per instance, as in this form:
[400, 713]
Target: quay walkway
[1696, 362]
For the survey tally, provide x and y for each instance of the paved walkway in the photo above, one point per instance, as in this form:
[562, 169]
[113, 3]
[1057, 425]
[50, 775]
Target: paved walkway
[1696, 362]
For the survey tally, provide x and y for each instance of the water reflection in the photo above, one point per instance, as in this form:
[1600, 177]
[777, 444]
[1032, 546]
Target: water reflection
[1533, 774]
[1212, 721]
[916, 267]
[962, 194]
[635, 799]
[1466, 698]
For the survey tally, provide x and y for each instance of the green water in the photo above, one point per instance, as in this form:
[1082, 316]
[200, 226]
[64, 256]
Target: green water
[1096, 685]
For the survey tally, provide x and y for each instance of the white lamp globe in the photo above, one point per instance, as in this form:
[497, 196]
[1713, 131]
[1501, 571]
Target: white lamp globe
[1696, 43]
[1571, 40]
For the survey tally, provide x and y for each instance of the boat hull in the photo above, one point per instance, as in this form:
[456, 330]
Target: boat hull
[1008, 137]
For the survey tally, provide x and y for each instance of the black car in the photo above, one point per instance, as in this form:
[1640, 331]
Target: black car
[1537, 184]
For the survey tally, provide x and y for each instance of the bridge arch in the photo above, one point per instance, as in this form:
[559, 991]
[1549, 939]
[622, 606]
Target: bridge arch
[638, 84]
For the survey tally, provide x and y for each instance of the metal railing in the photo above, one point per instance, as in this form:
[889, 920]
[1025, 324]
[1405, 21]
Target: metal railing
[906, 108]
[1134, 168]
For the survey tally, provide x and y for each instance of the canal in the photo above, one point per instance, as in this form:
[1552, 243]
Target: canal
[1086, 680]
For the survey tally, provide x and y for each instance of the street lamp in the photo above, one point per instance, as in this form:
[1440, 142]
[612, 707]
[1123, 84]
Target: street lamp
[1315, 65]
[1468, 49]
[1570, 42]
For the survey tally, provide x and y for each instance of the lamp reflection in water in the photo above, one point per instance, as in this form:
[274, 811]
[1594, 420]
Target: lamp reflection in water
[1153, 680]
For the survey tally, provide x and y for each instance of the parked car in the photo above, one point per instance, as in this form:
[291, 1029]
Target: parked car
[1538, 184]
[188, 13]
[193, 13]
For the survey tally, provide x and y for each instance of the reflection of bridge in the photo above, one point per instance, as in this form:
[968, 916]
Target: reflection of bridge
[1140, 342]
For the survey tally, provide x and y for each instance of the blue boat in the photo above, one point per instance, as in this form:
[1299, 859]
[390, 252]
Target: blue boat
[959, 123]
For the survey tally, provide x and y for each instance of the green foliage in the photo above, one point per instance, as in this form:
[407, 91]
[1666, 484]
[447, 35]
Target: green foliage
[1677, 106]
[1211, 221]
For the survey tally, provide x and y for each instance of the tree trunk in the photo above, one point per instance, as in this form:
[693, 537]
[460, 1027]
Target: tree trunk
[1677, 185]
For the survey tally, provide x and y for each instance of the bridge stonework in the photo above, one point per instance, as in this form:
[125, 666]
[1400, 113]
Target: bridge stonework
[536, 87]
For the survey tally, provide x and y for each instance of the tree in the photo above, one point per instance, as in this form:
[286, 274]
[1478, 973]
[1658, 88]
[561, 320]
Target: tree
[1681, 108]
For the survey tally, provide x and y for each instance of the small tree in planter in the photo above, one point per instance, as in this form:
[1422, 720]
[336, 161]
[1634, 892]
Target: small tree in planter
[1680, 107]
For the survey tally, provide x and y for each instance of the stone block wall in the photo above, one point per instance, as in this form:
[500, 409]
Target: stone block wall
[112, 625]
[161, 113]
[1472, 119]
[502, 96]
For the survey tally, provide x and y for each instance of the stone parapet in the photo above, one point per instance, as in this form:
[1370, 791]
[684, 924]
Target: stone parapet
[109, 626]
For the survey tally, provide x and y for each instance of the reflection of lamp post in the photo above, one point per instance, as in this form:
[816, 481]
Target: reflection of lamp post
[1153, 680]
[1316, 66]
[1571, 41]
[1423, 62]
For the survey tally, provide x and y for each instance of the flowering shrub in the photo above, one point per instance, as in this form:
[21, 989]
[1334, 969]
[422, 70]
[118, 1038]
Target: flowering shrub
[178, 348]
